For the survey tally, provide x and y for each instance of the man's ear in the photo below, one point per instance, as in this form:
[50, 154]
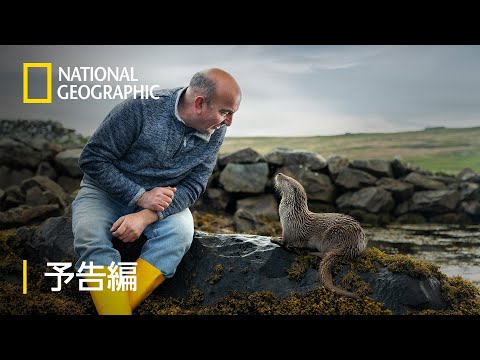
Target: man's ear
[199, 102]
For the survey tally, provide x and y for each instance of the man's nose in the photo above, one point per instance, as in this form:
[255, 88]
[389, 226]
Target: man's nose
[228, 120]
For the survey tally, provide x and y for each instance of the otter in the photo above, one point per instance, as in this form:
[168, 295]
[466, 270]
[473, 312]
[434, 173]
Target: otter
[331, 236]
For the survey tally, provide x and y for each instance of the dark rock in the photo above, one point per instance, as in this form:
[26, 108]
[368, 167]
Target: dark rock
[45, 169]
[317, 186]
[243, 156]
[2, 196]
[245, 221]
[336, 163]
[14, 197]
[52, 241]
[320, 207]
[372, 199]
[435, 201]
[213, 180]
[23, 215]
[244, 178]
[252, 213]
[68, 184]
[411, 218]
[37, 130]
[470, 207]
[378, 168]
[401, 168]
[17, 154]
[200, 204]
[55, 148]
[467, 190]
[264, 206]
[19, 242]
[444, 178]
[47, 184]
[366, 217]
[68, 161]
[285, 157]
[400, 190]
[467, 174]
[37, 142]
[218, 199]
[401, 208]
[423, 182]
[353, 179]
[35, 197]
[267, 265]
[402, 293]
[451, 218]
[10, 177]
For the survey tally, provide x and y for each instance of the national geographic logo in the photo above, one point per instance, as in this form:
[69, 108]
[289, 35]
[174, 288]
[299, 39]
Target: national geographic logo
[87, 83]
[48, 99]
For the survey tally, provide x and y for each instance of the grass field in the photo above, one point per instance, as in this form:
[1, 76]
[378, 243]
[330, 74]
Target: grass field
[439, 149]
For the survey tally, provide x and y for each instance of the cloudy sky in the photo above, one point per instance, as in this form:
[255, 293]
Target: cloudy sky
[287, 90]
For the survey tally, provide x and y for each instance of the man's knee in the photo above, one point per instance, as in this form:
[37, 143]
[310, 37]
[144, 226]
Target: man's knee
[171, 239]
[183, 225]
[84, 228]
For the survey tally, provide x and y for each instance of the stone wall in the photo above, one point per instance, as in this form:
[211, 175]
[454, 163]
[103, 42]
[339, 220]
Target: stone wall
[39, 177]
[373, 191]
[45, 129]
[39, 172]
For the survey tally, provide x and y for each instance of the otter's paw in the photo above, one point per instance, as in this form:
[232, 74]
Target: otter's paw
[277, 240]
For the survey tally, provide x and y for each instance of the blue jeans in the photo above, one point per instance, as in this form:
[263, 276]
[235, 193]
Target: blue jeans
[93, 214]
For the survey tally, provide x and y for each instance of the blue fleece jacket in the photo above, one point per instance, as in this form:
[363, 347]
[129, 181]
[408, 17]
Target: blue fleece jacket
[142, 144]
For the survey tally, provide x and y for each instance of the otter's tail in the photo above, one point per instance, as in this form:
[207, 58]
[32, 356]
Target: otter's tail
[325, 270]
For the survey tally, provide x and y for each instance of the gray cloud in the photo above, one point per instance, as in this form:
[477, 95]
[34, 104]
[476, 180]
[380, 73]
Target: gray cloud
[287, 90]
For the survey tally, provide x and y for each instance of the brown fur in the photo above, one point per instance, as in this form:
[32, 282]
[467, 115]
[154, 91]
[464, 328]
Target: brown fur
[332, 236]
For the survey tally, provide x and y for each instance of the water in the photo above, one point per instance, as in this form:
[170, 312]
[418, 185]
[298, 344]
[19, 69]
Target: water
[455, 249]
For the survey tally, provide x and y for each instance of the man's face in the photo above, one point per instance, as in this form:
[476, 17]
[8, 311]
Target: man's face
[216, 117]
[219, 112]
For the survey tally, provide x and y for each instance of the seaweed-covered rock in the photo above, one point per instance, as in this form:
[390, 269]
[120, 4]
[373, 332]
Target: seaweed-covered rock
[253, 263]
[219, 265]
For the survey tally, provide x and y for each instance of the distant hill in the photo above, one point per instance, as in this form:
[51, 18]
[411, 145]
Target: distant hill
[437, 149]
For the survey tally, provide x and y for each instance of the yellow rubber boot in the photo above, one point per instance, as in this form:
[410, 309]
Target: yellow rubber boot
[108, 302]
[148, 278]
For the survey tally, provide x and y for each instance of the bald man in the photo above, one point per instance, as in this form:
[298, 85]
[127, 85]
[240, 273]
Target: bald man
[148, 161]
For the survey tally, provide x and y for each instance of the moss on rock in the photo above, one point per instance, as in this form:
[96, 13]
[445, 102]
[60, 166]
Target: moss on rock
[213, 223]
[460, 294]
[318, 301]
[267, 227]
[372, 259]
[353, 282]
[299, 267]
[14, 302]
[10, 263]
[5, 235]
[217, 274]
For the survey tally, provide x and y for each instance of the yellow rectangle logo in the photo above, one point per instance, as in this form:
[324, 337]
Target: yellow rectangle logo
[48, 99]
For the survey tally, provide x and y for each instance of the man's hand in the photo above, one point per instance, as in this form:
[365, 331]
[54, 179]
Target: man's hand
[157, 199]
[128, 228]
